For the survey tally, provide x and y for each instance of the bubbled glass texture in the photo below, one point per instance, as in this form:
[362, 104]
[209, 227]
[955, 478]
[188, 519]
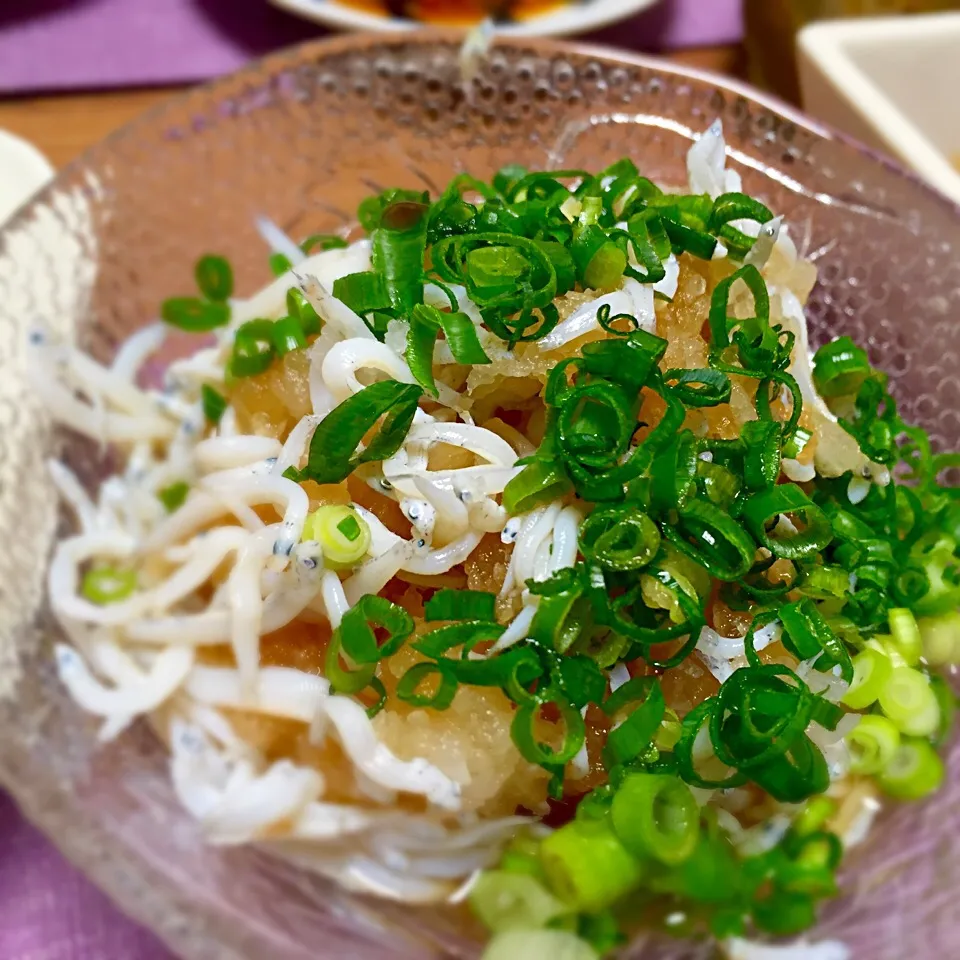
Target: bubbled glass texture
[302, 137]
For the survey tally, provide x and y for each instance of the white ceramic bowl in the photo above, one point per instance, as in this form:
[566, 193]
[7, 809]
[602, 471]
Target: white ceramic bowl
[577, 16]
[893, 83]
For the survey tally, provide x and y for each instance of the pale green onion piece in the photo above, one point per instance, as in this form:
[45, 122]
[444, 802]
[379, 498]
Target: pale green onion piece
[816, 812]
[883, 643]
[909, 701]
[668, 734]
[941, 638]
[872, 744]
[513, 901]
[106, 584]
[871, 671]
[906, 634]
[539, 945]
[914, 771]
[587, 865]
[342, 533]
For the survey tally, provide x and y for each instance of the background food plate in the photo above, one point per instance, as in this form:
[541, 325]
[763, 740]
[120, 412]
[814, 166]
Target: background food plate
[578, 16]
[303, 136]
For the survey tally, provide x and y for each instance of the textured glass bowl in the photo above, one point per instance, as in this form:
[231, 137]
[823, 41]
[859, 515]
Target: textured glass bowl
[302, 137]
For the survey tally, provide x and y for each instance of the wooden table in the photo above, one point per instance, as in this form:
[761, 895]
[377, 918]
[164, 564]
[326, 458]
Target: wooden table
[63, 125]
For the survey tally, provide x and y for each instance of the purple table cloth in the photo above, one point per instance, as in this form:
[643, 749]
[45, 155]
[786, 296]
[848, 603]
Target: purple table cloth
[51, 44]
[48, 911]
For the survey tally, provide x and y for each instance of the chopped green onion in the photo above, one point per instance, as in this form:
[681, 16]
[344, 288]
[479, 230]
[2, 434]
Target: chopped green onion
[359, 642]
[325, 241]
[193, 315]
[173, 497]
[279, 264]
[412, 680]
[333, 448]
[214, 278]
[712, 538]
[541, 481]
[914, 772]
[796, 443]
[253, 349]
[107, 584]
[761, 460]
[947, 700]
[941, 638]
[840, 368]
[784, 913]
[363, 292]
[700, 388]
[288, 336]
[397, 252]
[341, 532]
[908, 701]
[461, 605]
[214, 403]
[808, 634]
[815, 813]
[606, 268]
[298, 306]
[736, 206]
[762, 509]
[511, 901]
[633, 734]
[906, 635]
[619, 538]
[461, 336]
[538, 945]
[720, 323]
[522, 731]
[463, 634]
[656, 816]
[871, 673]
[346, 679]
[587, 865]
[872, 744]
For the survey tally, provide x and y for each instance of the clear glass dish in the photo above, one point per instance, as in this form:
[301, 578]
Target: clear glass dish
[302, 137]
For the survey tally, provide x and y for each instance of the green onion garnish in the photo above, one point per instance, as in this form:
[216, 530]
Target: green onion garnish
[913, 772]
[872, 744]
[279, 264]
[287, 335]
[588, 866]
[461, 605]
[193, 315]
[343, 535]
[214, 278]
[253, 349]
[333, 452]
[656, 816]
[108, 584]
[910, 703]
[173, 497]
[214, 403]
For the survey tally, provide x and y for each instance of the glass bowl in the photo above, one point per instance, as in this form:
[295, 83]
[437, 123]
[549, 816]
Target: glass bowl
[302, 137]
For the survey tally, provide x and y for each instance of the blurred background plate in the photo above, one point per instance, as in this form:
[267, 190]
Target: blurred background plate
[552, 17]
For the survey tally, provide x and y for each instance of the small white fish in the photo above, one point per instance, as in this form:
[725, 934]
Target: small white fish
[474, 51]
